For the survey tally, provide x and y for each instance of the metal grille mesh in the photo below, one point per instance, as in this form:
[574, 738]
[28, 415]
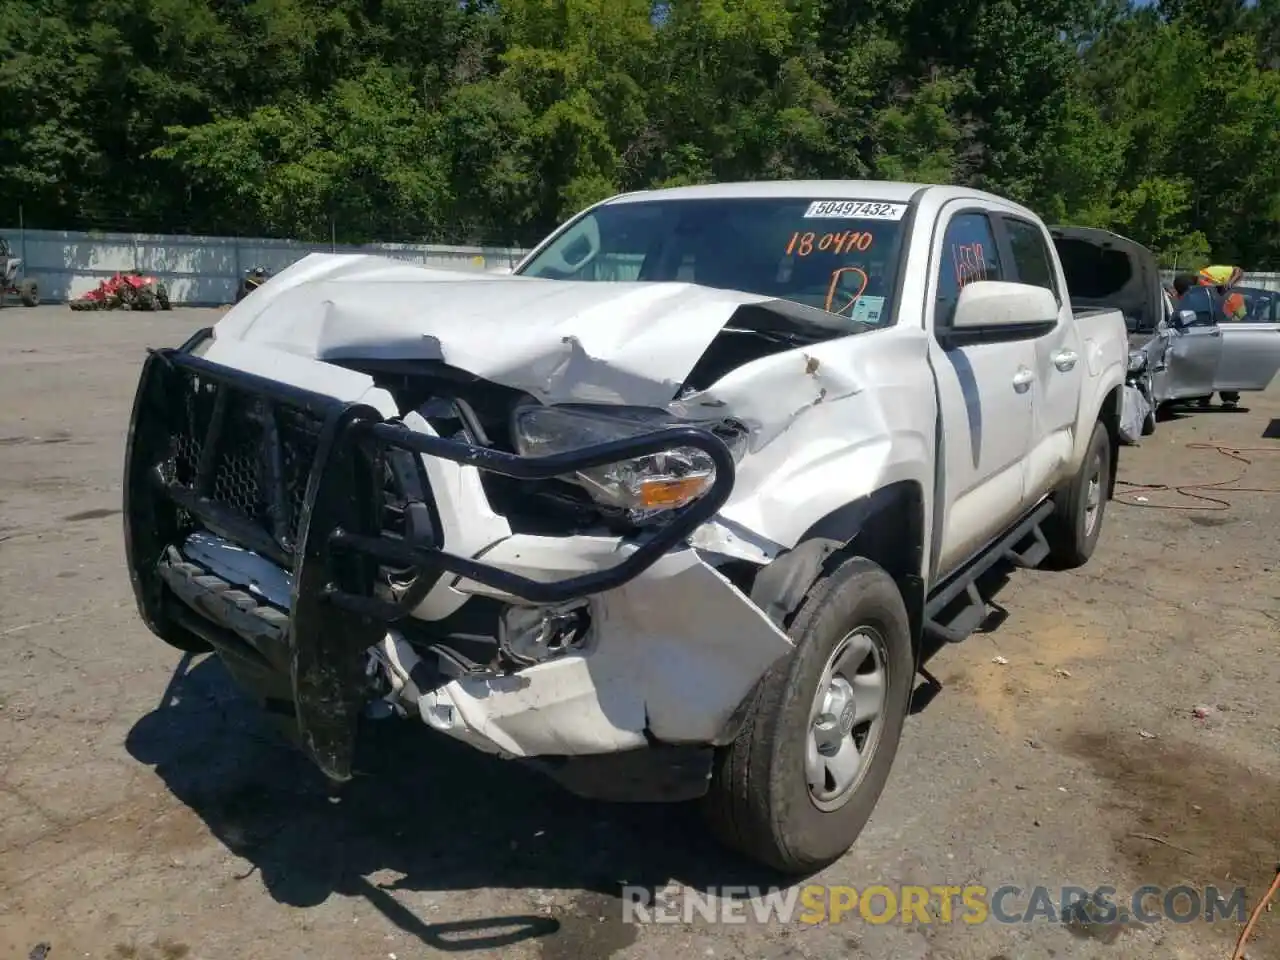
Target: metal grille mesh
[240, 471]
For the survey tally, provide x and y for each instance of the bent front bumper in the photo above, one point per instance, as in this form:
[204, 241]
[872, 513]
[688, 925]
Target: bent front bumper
[293, 479]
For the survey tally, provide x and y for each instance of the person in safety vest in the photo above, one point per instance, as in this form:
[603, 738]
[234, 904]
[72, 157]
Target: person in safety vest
[1234, 306]
[1220, 276]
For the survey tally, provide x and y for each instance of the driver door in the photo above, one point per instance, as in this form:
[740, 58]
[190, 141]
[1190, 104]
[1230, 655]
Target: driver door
[985, 391]
[1195, 348]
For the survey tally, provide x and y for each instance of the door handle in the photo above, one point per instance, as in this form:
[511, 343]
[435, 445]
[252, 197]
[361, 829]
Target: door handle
[1215, 332]
[1023, 378]
[1064, 360]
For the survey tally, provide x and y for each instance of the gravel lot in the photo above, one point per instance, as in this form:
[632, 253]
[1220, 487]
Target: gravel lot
[149, 815]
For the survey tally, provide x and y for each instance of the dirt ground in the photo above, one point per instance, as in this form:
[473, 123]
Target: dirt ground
[146, 813]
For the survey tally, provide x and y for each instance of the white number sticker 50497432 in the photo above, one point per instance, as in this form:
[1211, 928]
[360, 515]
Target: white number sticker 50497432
[855, 210]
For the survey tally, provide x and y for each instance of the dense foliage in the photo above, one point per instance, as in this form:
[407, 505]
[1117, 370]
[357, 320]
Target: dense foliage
[470, 120]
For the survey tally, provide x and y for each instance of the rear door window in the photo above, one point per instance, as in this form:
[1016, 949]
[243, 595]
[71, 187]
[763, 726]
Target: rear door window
[1031, 260]
[1259, 306]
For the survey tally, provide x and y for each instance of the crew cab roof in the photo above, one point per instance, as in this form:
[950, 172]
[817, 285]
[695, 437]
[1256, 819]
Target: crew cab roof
[888, 191]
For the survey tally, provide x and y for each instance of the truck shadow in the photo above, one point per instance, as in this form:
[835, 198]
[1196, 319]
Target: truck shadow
[435, 813]
[441, 816]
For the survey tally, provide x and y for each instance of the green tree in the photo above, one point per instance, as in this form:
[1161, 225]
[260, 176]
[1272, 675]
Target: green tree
[464, 120]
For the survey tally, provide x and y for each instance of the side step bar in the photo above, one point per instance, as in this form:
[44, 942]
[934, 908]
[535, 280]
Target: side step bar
[958, 608]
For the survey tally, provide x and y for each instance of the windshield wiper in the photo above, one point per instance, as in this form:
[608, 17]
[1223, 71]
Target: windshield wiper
[779, 336]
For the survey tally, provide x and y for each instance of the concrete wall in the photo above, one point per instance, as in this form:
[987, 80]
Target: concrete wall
[199, 270]
[207, 270]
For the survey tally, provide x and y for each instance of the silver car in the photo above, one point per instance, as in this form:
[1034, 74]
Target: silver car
[1197, 350]
[1177, 353]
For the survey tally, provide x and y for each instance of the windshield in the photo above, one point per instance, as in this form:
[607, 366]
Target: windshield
[840, 256]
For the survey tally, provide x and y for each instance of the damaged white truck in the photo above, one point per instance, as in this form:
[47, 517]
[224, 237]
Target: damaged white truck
[672, 511]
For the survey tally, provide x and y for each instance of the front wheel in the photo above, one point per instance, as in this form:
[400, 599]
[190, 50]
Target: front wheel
[1073, 529]
[796, 788]
[29, 293]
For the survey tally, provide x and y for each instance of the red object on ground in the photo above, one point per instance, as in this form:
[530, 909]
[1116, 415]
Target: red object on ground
[125, 291]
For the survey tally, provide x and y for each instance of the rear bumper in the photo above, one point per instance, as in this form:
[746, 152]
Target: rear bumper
[674, 649]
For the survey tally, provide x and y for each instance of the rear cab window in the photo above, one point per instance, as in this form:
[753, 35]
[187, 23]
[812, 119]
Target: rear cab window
[839, 256]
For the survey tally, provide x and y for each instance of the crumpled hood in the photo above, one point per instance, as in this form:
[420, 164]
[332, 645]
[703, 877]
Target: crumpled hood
[630, 343]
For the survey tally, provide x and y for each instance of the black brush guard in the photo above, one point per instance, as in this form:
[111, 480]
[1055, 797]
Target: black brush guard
[297, 477]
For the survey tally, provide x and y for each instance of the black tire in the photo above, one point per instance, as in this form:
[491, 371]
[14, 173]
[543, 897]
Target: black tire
[759, 802]
[162, 297]
[29, 293]
[146, 300]
[1071, 536]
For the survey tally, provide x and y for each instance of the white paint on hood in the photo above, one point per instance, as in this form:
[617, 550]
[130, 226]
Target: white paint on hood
[622, 343]
[828, 422]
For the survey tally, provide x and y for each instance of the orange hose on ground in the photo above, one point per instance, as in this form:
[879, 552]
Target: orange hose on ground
[1238, 953]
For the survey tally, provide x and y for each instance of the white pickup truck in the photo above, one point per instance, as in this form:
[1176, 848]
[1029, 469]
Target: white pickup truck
[672, 511]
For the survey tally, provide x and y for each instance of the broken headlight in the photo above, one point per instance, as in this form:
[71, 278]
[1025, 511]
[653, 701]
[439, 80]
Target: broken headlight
[642, 487]
[1137, 360]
